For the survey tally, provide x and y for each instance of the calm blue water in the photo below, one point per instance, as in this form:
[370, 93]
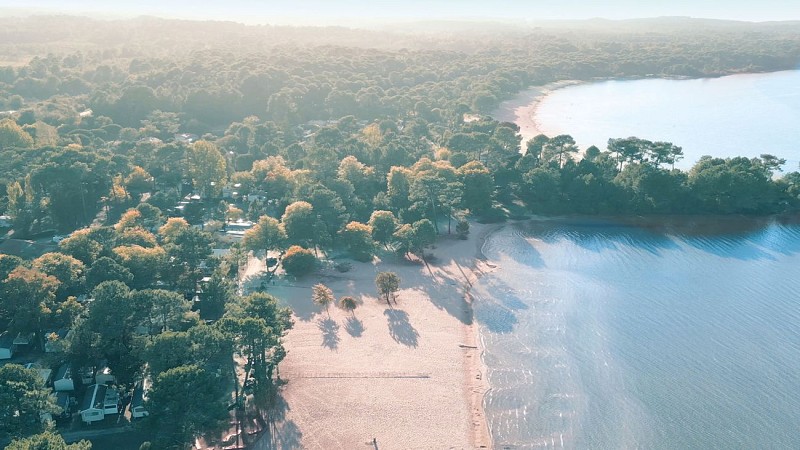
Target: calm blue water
[740, 115]
[600, 335]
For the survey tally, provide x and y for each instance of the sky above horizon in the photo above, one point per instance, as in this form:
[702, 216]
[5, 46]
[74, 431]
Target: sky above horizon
[332, 11]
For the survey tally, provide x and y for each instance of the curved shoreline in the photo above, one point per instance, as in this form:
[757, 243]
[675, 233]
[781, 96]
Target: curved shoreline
[521, 109]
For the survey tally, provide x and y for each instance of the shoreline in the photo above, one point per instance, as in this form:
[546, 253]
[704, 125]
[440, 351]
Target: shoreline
[521, 109]
[419, 384]
[482, 432]
[481, 259]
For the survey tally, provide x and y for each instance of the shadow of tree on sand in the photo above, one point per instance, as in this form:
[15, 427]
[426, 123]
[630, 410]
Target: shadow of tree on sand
[302, 308]
[400, 328]
[330, 332]
[280, 433]
[354, 327]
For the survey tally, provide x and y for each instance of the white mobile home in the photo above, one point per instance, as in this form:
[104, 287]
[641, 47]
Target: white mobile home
[92, 408]
[100, 400]
[111, 401]
[137, 401]
[63, 381]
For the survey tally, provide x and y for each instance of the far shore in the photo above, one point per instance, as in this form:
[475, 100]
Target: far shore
[405, 376]
[521, 109]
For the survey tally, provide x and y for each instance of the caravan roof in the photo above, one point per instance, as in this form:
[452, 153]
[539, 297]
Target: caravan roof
[95, 397]
[139, 394]
[65, 371]
[23, 338]
[45, 374]
[62, 400]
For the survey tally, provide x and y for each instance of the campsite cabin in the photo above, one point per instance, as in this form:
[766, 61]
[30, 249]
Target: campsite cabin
[92, 408]
[103, 374]
[137, 401]
[63, 381]
[6, 346]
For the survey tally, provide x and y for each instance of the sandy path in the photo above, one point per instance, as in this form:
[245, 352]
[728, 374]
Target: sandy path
[409, 375]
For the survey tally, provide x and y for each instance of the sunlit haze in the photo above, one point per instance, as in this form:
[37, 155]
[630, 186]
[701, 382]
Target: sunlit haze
[351, 11]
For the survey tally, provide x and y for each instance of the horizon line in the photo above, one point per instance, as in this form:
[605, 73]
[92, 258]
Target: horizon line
[346, 21]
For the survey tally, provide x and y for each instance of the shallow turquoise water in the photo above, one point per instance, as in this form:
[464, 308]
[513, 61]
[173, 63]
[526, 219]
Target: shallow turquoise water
[602, 335]
[739, 115]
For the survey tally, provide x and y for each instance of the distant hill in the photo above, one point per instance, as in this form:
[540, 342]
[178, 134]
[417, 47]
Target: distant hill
[22, 37]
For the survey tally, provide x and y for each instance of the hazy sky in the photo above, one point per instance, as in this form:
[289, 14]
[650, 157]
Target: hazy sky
[272, 11]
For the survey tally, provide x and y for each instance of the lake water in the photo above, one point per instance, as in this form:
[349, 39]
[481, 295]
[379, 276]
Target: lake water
[608, 336]
[739, 115]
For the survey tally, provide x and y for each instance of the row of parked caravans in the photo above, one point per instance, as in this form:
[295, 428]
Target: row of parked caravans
[64, 381]
[99, 393]
[10, 344]
[101, 398]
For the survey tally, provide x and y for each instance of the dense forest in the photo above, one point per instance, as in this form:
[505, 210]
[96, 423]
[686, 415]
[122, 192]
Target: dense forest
[332, 141]
[113, 105]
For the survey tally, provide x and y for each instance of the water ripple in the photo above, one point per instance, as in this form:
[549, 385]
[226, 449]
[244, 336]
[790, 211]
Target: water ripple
[599, 336]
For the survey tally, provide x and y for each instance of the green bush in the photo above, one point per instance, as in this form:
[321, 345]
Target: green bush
[299, 261]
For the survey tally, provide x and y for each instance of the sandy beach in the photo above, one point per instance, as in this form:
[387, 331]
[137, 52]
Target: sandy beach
[403, 376]
[521, 109]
